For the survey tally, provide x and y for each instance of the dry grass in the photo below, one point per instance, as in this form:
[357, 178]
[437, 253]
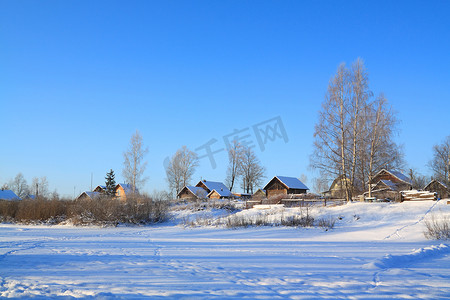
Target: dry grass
[437, 227]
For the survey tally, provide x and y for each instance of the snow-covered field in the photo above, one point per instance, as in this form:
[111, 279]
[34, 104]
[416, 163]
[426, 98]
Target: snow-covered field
[375, 251]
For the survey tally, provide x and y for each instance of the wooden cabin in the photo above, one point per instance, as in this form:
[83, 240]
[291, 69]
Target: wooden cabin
[221, 190]
[88, 196]
[338, 186]
[260, 194]
[125, 191]
[100, 189]
[438, 187]
[192, 192]
[392, 179]
[284, 185]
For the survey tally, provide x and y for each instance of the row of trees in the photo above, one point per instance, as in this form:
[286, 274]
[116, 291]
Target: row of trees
[243, 165]
[38, 187]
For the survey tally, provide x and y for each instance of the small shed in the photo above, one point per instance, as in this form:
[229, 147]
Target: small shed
[438, 187]
[338, 188]
[192, 192]
[285, 185]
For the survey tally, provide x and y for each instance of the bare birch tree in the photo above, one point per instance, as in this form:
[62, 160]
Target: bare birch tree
[39, 186]
[381, 151]
[235, 157]
[181, 168]
[354, 135]
[252, 171]
[134, 164]
[19, 186]
[332, 131]
[440, 164]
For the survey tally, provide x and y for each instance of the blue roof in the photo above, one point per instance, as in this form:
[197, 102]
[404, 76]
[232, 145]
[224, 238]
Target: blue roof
[292, 182]
[128, 188]
[198, 191]
[400, 176]
[222, 193]
[390, 184]
[218, 186]
[8, 195]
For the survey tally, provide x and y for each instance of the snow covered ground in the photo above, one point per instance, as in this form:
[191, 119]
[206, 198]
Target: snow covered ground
[375, 251]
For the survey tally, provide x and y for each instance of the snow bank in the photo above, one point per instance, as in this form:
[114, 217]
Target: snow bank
[401, 261]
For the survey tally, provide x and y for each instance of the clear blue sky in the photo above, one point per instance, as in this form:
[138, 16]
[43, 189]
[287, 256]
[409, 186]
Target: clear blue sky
[77, 78]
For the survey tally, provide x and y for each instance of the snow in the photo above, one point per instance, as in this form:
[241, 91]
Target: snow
[375, 251]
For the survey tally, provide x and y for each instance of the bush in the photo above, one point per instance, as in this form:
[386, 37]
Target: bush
[100, 211]
[326, 223]
[437, 228]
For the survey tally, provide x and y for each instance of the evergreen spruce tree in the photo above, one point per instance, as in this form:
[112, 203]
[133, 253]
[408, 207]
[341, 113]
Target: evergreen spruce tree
[110, 183]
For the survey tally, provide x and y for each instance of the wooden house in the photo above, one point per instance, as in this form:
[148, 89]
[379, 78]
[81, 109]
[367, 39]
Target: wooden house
[338, 186]
[438, 187]
[100, 189]
[125, 191]
[221, 190]
[284, 185]
[88, 196]
[393, 180]
[192, 192]
[260, 194]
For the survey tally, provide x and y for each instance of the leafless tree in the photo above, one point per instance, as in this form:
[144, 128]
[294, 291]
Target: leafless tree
[418, 180]
[39, 186]
[19, 186]
[181, 168]
[252, 171]
[354, 135]
[235, 157]
[440, 164]
[134, 164]
[380, 151]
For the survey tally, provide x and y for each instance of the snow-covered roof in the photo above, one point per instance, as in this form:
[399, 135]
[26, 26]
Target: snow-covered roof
[91, 195]
[215, 185]
[437, 181]
[291, 183]
[222, 193]
[389, 184]
[8, 195]
[128, 188]
[198, 191]
[400, 176]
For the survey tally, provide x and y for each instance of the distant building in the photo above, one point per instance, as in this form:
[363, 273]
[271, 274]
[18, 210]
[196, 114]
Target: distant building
[438, 187]
[125, 191]
[285, 185]
[260, 193]
[393, 180]
[88, 196]
[192, 192]
[8, 195]
[338, 188]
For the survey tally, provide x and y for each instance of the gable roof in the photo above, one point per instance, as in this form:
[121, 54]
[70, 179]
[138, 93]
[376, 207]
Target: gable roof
[8, 195]
[400, 176]
[197, 191]
[91, 195]
[128, 188]
[289, 183]
[222, 193]
[214, 185]
[434, 180]
[389, 184]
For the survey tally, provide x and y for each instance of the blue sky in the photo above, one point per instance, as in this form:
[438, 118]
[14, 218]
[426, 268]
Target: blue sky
[77, 78]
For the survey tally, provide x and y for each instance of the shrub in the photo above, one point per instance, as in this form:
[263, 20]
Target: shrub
[437, 228]
[326, 223]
